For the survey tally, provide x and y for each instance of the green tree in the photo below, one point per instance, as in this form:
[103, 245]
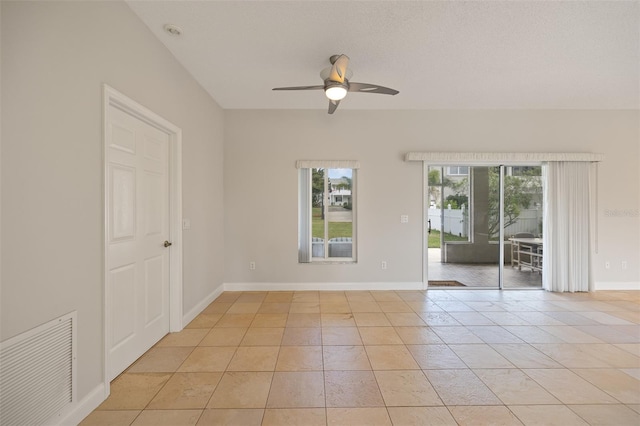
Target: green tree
[345, 183]
[317, 189]
[317, 186]
[436, 184]
[457, 200]
[519, 192]
[460, 189]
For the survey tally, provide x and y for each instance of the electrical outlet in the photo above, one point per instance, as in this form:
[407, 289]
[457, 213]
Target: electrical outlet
[252, 265]
[623, 264]
[383, 264]
[607, 265]
[404, 218]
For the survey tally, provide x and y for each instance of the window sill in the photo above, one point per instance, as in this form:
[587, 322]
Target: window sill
[336, 261]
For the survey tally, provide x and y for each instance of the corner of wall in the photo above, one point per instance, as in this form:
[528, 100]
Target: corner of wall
[196, 310]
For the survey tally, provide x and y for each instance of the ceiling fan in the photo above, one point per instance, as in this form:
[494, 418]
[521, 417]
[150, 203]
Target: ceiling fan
[337, 84]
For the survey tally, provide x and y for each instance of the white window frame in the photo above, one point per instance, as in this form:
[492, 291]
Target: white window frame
[305, 176]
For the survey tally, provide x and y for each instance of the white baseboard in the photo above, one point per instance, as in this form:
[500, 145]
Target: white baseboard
[262, 286]
[617, 285]
[195, 311]
[297, 286]
[90, 402]
[82, 408]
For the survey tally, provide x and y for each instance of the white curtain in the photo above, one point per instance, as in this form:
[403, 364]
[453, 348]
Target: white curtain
[568, 186]
[304, 215]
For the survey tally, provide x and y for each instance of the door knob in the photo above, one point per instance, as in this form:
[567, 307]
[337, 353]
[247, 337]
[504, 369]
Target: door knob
[167, 243]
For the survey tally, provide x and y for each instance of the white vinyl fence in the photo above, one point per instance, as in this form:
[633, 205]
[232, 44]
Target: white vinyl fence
[456, 222]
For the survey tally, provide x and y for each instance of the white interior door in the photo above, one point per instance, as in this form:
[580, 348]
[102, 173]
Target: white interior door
[137, 211]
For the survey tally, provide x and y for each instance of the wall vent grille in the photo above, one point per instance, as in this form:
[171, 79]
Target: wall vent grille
[37, 373]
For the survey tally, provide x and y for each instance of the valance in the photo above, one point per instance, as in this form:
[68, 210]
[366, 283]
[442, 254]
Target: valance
[327, 164]
[505, 158]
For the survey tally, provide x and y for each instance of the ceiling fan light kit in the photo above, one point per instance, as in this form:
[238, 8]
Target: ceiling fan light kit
[335, 91]
[336, 83]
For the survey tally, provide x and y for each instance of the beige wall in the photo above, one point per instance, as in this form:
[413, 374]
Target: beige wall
[55, 58]
[261, 148]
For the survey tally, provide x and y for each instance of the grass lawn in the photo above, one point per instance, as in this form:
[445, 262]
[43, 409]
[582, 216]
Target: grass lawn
[434, 238]
[336, 229]
[345, 229]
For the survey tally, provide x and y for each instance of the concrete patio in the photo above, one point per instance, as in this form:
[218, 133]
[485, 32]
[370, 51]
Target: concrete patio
[480, 275]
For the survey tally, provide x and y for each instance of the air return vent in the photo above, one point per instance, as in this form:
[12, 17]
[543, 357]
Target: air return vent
[37, 373]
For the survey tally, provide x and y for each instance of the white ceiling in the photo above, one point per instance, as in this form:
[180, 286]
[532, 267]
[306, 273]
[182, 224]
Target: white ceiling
[439, 55]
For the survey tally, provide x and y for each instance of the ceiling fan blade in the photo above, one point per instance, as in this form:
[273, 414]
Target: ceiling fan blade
[333, 106]
[371, 88]
[300, 88]
[339, 69]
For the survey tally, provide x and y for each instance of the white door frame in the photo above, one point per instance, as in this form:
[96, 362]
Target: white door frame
[113, 98]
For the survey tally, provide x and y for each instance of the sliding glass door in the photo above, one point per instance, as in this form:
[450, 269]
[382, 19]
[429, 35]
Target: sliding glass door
[474, 215]
[522, 226]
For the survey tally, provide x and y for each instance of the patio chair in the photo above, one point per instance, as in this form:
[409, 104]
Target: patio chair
[524, 252]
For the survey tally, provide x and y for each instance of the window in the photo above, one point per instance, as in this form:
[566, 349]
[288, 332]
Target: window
[524, 171]
[458, 170]
[326, 209]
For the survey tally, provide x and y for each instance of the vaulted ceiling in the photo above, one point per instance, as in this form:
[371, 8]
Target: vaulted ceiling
[438, 54]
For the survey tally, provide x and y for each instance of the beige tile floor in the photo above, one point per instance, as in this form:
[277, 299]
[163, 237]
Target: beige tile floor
[467, 357]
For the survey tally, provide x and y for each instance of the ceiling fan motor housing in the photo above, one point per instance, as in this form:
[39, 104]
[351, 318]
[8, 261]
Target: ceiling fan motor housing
[330, 83]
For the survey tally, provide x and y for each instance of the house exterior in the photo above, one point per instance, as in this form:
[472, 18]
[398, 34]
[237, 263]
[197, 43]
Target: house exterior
[340, 192]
